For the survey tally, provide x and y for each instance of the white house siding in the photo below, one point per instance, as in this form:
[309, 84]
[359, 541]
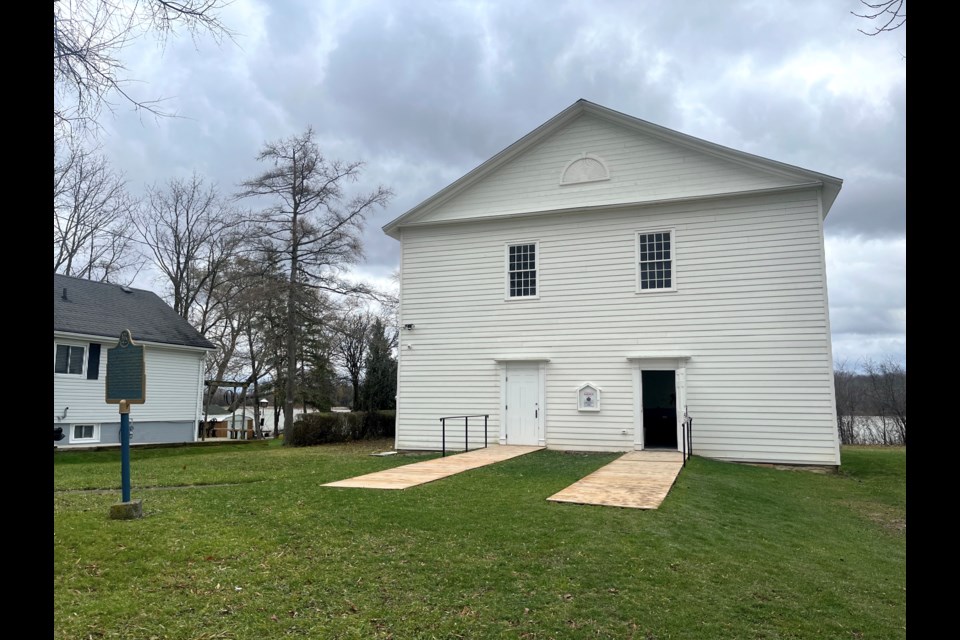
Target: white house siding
[642, 168]
[749, 310]
[173, 375]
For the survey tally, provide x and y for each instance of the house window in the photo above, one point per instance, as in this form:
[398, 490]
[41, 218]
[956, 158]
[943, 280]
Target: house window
[522, 270]
[85, 433]
[69, 360]
[655, 261]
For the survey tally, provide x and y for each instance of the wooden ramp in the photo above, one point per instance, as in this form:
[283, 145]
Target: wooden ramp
[638, 480]
[411, 475]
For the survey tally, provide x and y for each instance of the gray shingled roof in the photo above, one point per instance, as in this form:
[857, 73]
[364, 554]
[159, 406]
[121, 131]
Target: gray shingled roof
[102, 309]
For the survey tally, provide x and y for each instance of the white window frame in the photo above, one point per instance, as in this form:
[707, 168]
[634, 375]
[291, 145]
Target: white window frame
[83, 370]
[94, 438]
[506, 269]
[673, 259]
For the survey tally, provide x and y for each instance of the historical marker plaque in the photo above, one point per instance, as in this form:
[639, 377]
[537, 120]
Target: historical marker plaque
[126, 372]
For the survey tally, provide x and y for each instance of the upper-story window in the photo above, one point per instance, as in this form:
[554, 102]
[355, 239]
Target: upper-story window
[655, 261]
[69, 360]
[522, 270]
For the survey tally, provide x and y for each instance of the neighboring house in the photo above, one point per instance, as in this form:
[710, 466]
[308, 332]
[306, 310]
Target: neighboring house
[87, 320]
[601, 276]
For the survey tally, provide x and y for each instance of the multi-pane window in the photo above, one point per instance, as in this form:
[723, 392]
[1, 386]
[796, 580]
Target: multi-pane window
[82, 431]
[655, 256]
[522, 270]
[85, 432]
[68, 360]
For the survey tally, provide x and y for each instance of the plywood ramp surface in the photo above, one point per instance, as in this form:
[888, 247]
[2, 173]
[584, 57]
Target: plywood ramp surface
[638, 480]
[411, 475]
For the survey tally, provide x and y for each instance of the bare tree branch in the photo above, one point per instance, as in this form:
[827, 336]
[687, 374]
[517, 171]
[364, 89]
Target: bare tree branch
[892, 15]
[89, 36]
[91, 211]
[351, 335]
[191, 233]
[887, 389]
[848, 400]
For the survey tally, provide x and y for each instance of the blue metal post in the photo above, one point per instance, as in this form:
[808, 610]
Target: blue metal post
[125, 449]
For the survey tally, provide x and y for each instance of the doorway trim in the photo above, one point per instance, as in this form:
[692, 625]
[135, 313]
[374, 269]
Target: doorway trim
[657, 362]
[541, 363]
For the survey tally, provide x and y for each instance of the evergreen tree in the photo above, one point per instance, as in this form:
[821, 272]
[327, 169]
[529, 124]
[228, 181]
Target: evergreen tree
[380, 379]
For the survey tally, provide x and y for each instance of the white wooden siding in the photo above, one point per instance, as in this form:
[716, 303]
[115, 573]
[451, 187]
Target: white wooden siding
[642, 168]
[172, 379]
[749, 309]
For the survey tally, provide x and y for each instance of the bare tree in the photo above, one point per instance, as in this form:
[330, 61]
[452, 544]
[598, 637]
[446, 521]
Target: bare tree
[256, 309]
[390, 311]
[191, 233]
[223, 312]
[91, 212]
[88, 36]
[849, 401]
[351, 337]
[312, 224]
[888, 14]
[887, 389]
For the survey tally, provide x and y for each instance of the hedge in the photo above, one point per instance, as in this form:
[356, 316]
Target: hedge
[311, 429]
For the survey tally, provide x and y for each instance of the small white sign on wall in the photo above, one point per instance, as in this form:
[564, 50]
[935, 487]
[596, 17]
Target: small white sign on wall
[588, 397]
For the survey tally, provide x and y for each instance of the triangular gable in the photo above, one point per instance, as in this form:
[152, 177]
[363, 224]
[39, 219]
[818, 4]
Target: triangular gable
[589, 156]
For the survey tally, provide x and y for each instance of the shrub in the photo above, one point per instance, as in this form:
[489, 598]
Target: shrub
[311, 429]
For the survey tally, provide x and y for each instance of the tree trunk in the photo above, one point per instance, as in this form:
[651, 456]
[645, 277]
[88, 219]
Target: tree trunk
[292, 319]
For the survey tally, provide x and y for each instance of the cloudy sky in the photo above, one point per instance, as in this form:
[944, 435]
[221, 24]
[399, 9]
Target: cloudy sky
[423, 92]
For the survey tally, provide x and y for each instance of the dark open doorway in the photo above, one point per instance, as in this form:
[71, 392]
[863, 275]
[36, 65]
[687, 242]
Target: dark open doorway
[659, 409]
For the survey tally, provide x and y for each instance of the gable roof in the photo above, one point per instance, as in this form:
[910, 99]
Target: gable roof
[829, 184]
[104, 309]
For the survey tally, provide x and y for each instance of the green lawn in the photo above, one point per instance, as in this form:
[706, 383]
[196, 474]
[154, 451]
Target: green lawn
[734, 551]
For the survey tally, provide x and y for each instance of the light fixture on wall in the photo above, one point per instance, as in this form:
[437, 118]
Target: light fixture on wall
[409, 327]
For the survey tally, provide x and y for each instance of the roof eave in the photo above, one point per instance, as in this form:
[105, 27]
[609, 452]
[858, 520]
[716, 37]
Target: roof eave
[831, 189]
[83, 335]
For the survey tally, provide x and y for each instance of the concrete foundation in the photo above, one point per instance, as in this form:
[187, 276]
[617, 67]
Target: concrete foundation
[127, 510]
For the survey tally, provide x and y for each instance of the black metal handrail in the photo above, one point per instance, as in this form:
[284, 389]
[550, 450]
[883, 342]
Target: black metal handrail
[687, 436]
[466, 431]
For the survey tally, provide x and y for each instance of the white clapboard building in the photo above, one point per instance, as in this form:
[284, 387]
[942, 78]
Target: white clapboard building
[87, 320]
[602, 276]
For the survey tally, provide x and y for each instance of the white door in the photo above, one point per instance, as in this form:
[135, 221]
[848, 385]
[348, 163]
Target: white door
[522, 404]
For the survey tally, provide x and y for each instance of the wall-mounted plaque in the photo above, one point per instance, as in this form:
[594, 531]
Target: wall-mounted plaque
[588, 397]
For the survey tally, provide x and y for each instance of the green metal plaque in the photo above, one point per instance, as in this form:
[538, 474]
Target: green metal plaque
[126, 372]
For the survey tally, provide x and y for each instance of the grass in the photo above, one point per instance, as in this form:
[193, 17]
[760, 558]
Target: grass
[258, 549]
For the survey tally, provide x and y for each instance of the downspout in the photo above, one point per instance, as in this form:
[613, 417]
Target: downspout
[199, 404]
[396, 399]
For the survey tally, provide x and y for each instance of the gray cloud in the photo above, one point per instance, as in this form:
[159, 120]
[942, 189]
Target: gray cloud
[425, 91]
[868, 297]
